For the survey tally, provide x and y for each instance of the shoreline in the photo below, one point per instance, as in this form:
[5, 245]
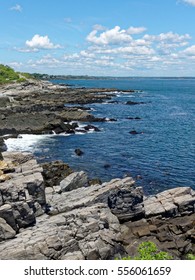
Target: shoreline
[45, 216]
[113, 216]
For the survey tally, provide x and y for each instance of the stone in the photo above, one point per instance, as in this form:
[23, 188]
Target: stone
[23, 214]
[74, 181]
[6, 231]
[127, 204]
[6, 213]
[78, 152]
[54, 172]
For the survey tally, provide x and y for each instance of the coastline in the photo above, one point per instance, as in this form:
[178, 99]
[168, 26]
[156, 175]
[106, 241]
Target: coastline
[39, 109]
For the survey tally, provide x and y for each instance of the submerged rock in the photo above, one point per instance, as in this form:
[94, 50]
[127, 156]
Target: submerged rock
[78, 152]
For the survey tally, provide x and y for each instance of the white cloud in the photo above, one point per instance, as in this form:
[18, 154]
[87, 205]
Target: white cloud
[112, 36]
[168, 37]
[190, 2]
[136, 30]
[40, 42]
[190, 51]
[17, 8]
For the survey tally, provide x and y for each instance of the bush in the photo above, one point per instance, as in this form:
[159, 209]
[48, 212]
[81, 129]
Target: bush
[8, 75]
[149, 251]
[190, 257]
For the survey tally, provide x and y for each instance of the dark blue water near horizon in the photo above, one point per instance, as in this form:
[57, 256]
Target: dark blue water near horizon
[161, 156]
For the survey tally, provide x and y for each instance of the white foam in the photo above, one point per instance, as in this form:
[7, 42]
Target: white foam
[25, 142]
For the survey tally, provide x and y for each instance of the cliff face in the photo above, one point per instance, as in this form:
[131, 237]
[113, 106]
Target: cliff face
[73, 220]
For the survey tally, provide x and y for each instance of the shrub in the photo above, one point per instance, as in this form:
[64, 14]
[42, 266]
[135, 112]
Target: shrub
[149, 251]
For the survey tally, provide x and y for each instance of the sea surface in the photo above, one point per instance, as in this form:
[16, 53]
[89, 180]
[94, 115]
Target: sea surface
[159, 157]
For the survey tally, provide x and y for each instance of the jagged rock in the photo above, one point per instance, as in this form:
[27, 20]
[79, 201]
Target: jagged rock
[6, 232]
[22, 195]
[127, 204]
[171, 203]
[54, 172]
[24, 214]
[6, 213]
[74, 181]
[73, 235]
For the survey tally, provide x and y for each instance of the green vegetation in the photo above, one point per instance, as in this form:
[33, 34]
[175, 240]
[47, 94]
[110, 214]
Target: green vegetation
[149, 251]
[8, 75]
[190, 257]
[27, 75]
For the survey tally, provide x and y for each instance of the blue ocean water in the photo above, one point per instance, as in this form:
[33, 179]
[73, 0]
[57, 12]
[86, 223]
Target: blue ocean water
[162, 156]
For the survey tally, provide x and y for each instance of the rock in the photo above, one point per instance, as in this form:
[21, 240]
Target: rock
[134, 103]
[39, 107]
[127, 204]
[95, 181]
[134, 132]
[171, 203]
[72, 235]
[78, 152]
[23, 214]
[91, 127]
[54, 172]
[6, 213]
[132, 118]
[74, 181]
[107, 165]
[6, 232]
[22, 195]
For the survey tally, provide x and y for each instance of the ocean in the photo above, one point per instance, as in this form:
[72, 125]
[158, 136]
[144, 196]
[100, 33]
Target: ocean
[160, 156]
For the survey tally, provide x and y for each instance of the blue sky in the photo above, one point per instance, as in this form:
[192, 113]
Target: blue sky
[99, 37]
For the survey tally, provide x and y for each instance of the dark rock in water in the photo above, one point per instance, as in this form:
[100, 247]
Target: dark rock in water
[133, 103]
[113, 102]
[107, 165]
[110, 120]
[91, 127]
[78, 152]
[54, 172]
[133, 132]
[132, 118]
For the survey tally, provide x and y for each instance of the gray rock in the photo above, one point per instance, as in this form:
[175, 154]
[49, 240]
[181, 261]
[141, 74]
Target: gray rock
[6, 232]
[6, 213]
[127, 204]
[74, 181]
[171, 203]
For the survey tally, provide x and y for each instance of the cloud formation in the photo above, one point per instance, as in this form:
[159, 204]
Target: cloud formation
[117, 51]
[17, 8]
[190, 2]
[113, 36]
[40, 42]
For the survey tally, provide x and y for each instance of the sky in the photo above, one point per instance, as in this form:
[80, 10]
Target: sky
[99, 37]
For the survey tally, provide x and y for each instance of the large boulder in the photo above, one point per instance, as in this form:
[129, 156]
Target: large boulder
[127, 204]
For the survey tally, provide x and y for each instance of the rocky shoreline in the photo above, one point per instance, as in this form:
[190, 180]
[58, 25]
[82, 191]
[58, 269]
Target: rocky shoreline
[49, 211]
[43, 219]
[38, 107]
